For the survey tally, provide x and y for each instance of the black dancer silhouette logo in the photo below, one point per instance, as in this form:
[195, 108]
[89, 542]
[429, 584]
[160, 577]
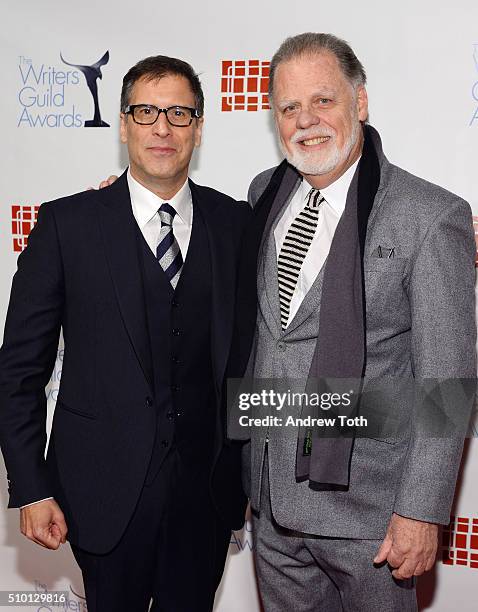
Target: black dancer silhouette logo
[92, 74]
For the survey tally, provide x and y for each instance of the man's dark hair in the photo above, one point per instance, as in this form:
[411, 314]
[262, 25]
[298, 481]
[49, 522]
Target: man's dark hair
[317, 42]
[156, 67]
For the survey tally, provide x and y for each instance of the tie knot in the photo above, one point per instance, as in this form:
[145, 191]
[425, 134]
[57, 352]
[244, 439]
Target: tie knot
[314, 199]
[166, 214]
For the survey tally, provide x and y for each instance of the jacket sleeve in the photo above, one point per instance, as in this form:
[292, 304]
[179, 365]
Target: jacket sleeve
[27, 358]
[442, 305]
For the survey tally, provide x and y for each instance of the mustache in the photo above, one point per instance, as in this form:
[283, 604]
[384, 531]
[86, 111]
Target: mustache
[310, 133]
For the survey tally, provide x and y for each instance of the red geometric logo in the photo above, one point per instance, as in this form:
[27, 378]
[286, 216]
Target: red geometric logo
[460, 542]
[24, 217]
[244, 85]
[475, 225]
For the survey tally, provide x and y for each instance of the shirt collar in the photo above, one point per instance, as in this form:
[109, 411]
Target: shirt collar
[336, 193]
[145, 203]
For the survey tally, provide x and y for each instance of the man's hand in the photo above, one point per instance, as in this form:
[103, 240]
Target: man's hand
[409, 547]
[109, 181]
[44, 524]
[106, 183]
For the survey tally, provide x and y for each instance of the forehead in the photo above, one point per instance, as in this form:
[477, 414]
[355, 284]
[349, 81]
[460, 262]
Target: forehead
[169, 89]
[309, 73]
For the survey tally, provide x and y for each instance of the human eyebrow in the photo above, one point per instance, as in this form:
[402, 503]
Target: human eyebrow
[283, 104]
[324, 93]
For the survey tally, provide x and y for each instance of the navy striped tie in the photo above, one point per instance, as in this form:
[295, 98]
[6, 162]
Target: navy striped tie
[294, 249]
[168, 252]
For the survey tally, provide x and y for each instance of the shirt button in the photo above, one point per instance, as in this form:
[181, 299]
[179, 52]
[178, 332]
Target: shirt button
[281, 346]
[164, 443]
[149, 402]
[176, 332]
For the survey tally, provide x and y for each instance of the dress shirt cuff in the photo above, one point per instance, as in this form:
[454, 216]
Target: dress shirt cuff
[35, 502]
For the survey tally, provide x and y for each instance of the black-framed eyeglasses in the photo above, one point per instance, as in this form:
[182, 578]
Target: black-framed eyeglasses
[147, 114]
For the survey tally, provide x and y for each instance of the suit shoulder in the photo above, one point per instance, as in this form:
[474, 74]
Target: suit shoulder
[424, 196]
[259, 184]
[74, 202]
[225, 201]
[214, 194]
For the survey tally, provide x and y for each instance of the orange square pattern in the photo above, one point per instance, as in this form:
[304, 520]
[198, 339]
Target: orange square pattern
[460, 542]
[244, 85]
[24, 217]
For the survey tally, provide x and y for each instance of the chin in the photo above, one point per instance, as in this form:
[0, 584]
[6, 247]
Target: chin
[311, 165]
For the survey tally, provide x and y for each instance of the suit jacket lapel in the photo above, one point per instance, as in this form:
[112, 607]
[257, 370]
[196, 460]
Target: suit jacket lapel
[223, 270]
[121, 246]
[261, 222]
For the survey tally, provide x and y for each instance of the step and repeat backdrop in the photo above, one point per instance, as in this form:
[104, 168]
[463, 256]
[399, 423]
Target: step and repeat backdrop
[60, 136]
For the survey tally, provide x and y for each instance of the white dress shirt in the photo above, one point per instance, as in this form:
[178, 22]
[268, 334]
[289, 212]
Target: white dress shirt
[330, 212]
[145, 205]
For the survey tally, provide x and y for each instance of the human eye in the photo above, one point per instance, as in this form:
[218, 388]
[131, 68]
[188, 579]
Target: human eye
[144, 110]
[179, 111]
[289, 109]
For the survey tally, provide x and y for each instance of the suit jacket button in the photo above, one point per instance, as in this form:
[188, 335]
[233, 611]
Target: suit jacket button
[170, 416]
[176, 332]
[164, 443]
[175, 303]
[175, 388]
[149, 402]
[175, 359]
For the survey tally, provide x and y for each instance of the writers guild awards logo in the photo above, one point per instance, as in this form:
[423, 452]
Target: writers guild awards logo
[460, 542]
[92, 74]
[474, 89]
[24, 217]
[244, 85]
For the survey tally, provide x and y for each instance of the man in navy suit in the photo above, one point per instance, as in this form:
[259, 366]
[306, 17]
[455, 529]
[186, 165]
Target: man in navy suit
[140, 277]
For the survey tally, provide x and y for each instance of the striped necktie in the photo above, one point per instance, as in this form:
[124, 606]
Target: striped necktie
[167, 251]
[294, 249]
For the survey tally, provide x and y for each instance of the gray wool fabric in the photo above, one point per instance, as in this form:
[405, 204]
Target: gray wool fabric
[420, 323]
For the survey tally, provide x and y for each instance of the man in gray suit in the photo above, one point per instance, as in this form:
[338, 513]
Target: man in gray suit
[363, 271]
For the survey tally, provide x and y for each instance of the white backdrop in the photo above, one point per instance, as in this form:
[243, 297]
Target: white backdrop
[422, 64]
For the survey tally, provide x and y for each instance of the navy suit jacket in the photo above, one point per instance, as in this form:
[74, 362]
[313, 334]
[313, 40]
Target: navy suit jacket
[81, 273]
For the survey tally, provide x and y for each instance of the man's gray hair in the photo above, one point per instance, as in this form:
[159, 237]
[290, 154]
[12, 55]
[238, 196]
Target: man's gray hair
[317, 42]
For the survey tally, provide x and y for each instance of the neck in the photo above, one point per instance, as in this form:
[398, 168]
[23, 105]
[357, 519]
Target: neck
[164, 188]
[321, 181]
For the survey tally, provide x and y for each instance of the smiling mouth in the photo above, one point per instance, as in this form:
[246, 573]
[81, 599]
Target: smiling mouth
[315, 141]
[162, 150]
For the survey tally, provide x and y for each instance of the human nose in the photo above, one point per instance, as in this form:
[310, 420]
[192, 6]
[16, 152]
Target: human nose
[161, 126]
[306, 119]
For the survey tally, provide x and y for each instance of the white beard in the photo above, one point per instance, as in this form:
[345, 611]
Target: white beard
[317, 163]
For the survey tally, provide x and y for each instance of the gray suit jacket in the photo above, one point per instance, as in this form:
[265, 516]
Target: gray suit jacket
[420, 323]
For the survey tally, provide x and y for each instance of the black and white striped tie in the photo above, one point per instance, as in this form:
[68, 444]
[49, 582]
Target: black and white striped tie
[294, 249]
[167, 251]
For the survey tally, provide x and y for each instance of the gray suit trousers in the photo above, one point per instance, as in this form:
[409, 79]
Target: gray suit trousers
[298, 572]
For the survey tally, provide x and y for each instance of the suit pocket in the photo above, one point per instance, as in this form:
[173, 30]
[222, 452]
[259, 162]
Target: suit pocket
[386, 441]
[85, 410]
[379, 265]
[386, 294]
